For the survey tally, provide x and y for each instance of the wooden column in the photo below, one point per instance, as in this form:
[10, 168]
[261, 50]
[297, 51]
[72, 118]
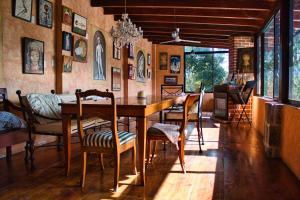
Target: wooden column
[125, 70]
[255, 62]
[285, 33]
[58, 47]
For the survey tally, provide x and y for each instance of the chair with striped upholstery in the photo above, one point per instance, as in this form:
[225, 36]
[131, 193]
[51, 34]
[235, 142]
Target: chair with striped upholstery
[109, 141]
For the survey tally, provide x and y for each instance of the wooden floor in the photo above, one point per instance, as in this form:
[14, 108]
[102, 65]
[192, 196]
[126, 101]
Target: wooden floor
[232, 166]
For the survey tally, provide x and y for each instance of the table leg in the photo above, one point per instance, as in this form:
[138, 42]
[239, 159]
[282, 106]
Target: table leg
[142, 130]
[8, 153]
[66, 125]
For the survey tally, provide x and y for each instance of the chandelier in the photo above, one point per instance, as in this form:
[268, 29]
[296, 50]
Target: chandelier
[125, 32]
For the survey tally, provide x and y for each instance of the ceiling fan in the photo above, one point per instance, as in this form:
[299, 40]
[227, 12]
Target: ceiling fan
[176, 38]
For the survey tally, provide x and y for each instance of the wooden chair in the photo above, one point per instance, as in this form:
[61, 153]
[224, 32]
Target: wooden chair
[155, 134]
[107, 141]
[12, 136]
[195, 116]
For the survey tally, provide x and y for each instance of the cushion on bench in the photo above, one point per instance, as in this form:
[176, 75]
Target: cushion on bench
[10, 121]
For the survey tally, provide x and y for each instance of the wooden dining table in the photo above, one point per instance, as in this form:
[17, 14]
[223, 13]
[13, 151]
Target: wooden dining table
[140, 108]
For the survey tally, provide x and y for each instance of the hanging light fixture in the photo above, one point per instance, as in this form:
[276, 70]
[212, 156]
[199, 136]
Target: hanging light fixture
[125, 32]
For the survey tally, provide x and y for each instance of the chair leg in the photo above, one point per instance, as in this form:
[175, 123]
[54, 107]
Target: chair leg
[83, 168]
[148, 147]
[117, 172]
[198, 131]
[134, 171]
[153, 150]
[26, 152]
[181, 155]
[31, 150]
[201, 128]
[8, 153]
[101, 161]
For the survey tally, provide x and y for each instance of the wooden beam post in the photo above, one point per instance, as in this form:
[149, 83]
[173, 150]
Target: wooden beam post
[58, 47]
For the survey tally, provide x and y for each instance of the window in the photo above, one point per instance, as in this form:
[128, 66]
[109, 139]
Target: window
[258, 75]
[269, 59]
[277, 58]
[207, 65]
[294, 69]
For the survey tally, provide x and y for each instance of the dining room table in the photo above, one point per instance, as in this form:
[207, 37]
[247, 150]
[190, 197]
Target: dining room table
[139, 108]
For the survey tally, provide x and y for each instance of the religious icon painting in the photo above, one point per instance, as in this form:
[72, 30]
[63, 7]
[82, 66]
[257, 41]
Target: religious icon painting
[45, 13]
[99, 56]
[67, 41]
[33, 56]
[175, 64]
[67, 64]
[66, 15]
[80, 47]
[141, 67]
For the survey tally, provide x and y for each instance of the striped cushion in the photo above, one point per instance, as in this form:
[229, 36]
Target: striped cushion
[105, 139]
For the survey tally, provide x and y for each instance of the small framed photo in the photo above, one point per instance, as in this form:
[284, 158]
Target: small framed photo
[45, 13]
[130, 51]
[131, 72]
[116, 79]
[22, 9]
[66, 15]
[149, 59]
[163, 60]
[33, 56]
[79, 24]
[175, 64]
[171, 80]
[67, 64]
[67, 41]
[80, 47]
[149, 74]
[116, 52]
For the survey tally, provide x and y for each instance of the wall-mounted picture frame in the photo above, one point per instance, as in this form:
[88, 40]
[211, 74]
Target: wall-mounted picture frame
[131, 72]
[79, 24]
[45, 13]
[163, 61]
[131, 51]
[99, 56]
[115, 79]
[116, 52]
[171, 80]
[245, 60]
[141, 67]
[67, 64]
[149, 74]
[175, 64]
[67, 41]
[33, 56]
[22, 9]
[80, 47]
[149, 59]
[67, 15]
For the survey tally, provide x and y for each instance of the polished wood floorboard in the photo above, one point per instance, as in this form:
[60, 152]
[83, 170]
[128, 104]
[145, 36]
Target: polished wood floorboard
[232, 166]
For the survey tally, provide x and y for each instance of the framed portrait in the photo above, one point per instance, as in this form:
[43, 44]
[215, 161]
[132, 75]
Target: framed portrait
[245, 60]
[163, 60]
[116, 52]
[130, 51]
[175, 64]
[99, 56]
[131, 72]
[66, 15]
[149, 74]
[80, 47]
[171, 80]
[45, 13]
[141, 67]
[67, 41]
[33, 56]
[79, 24]
[22, 9]
[116, 79]
[149, 59]
[67, 64]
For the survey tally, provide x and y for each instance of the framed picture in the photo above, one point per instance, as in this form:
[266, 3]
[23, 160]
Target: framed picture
[116, 79]
[22, 9]
[171, 80]
[67, 64]
[175, 64]
[149, 74]
[131, 72]
[99, 56]
[79, 24]
[130, 51]
[149, 59]
[66, 15]
[163, 60]
[45, 13]
[141, 67]
[80, 48]
[67, 41]
[33, 56]
[245, 60]
[116, 52]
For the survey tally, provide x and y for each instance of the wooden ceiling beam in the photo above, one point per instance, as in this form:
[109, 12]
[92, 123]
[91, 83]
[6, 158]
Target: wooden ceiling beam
[203, 37]
[220, 4]
[225, 46]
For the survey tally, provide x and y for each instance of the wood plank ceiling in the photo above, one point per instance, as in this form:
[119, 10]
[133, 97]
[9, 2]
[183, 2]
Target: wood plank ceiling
[210, 21]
